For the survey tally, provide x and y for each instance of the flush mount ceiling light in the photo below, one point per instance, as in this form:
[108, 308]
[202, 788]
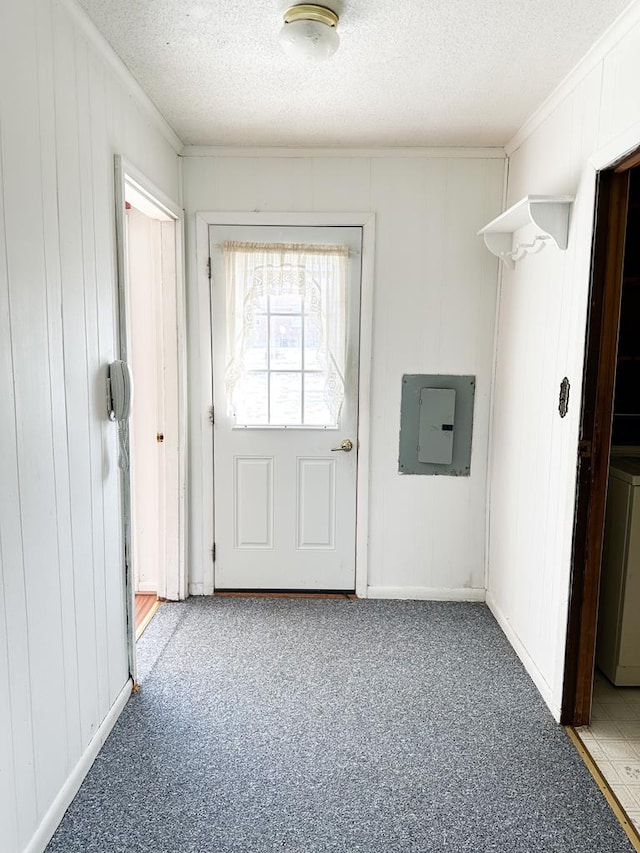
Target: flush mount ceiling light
[310, 32]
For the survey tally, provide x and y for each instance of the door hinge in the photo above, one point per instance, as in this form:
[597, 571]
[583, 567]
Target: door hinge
[209, 268]
[213, 553]
[212, 415]
[584, 449]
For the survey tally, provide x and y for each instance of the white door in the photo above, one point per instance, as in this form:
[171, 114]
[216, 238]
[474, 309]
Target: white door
[145, 358]
[285, 320]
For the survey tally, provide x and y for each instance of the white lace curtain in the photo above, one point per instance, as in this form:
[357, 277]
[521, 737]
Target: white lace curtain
[316, 273]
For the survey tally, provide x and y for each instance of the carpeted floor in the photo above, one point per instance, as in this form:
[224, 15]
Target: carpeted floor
[323, 725]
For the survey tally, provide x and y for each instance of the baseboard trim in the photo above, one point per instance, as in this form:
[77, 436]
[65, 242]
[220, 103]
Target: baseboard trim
[150, 588]
[55, 813]
[426, 593]
[527, 661]
[200, 588]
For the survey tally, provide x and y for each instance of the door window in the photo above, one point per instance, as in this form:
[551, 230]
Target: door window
[286, 333]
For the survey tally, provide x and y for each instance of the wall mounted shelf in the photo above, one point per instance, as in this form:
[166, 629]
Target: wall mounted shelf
[549, 215]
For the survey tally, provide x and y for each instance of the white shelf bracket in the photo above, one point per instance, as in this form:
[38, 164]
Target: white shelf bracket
[549, 215]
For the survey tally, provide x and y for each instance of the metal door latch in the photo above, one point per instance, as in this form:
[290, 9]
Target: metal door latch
[563, 404]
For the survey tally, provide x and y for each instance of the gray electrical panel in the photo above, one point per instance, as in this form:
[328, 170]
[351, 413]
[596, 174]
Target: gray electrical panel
[436, 424]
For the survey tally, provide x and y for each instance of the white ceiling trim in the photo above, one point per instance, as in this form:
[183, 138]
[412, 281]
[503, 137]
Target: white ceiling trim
[595, 55]
[422, 153]
[89, 29]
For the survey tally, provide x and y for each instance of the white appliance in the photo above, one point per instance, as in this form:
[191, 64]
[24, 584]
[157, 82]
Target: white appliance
[618, 642]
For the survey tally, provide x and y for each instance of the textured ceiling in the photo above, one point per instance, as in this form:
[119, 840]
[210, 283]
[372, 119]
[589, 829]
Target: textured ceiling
[408, 73]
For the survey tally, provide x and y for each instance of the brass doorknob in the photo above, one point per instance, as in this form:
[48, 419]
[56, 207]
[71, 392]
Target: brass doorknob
[346, 445]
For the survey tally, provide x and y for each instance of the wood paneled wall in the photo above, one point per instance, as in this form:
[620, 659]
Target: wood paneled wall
[433, 312]
[64, 113]
[590, 122]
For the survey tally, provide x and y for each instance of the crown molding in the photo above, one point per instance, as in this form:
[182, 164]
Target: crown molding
[627, 19]
[89, 29]
[424, 153]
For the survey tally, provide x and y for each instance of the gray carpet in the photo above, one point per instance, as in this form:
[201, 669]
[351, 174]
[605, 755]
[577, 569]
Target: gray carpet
[303, 725]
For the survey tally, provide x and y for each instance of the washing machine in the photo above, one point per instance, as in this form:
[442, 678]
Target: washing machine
[618, 639]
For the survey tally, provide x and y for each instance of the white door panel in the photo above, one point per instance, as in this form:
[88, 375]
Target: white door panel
[285, 500]
[252, 489]
[316, 503]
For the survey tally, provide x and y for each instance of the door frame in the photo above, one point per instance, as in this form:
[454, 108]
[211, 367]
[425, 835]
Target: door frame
[366, 221]
[170, 585]
[603, 321]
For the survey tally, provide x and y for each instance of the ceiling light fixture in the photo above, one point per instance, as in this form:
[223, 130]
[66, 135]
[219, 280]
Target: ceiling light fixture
[310, 32]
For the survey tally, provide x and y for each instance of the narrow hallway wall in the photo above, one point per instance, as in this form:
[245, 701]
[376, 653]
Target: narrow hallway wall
[66, 108]
[592, 120]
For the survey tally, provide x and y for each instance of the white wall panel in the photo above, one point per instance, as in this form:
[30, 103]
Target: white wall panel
[107, 306]
[338, 181]
[18, 757]
[57, 373]
[434, 311]
[63, 661]
[8, 792]
[284, 184]
[88, 103]
[22, 193]
[620, 102]
[541, 337]
[76, 379]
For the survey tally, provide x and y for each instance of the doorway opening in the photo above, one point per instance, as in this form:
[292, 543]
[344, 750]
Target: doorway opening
[152, 342]
[602, 664]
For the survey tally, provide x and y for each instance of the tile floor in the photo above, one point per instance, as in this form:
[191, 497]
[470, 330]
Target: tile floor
[613, 739]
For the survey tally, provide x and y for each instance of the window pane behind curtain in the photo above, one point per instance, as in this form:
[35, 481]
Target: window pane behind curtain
[312, 337]
[316, 411]
[286, 398]
[286, 328]
[286, 342]
[256, 353]
[289, 304]
[252, 399]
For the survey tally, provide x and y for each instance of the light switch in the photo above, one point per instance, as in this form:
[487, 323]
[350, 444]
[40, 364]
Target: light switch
[436, 427]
